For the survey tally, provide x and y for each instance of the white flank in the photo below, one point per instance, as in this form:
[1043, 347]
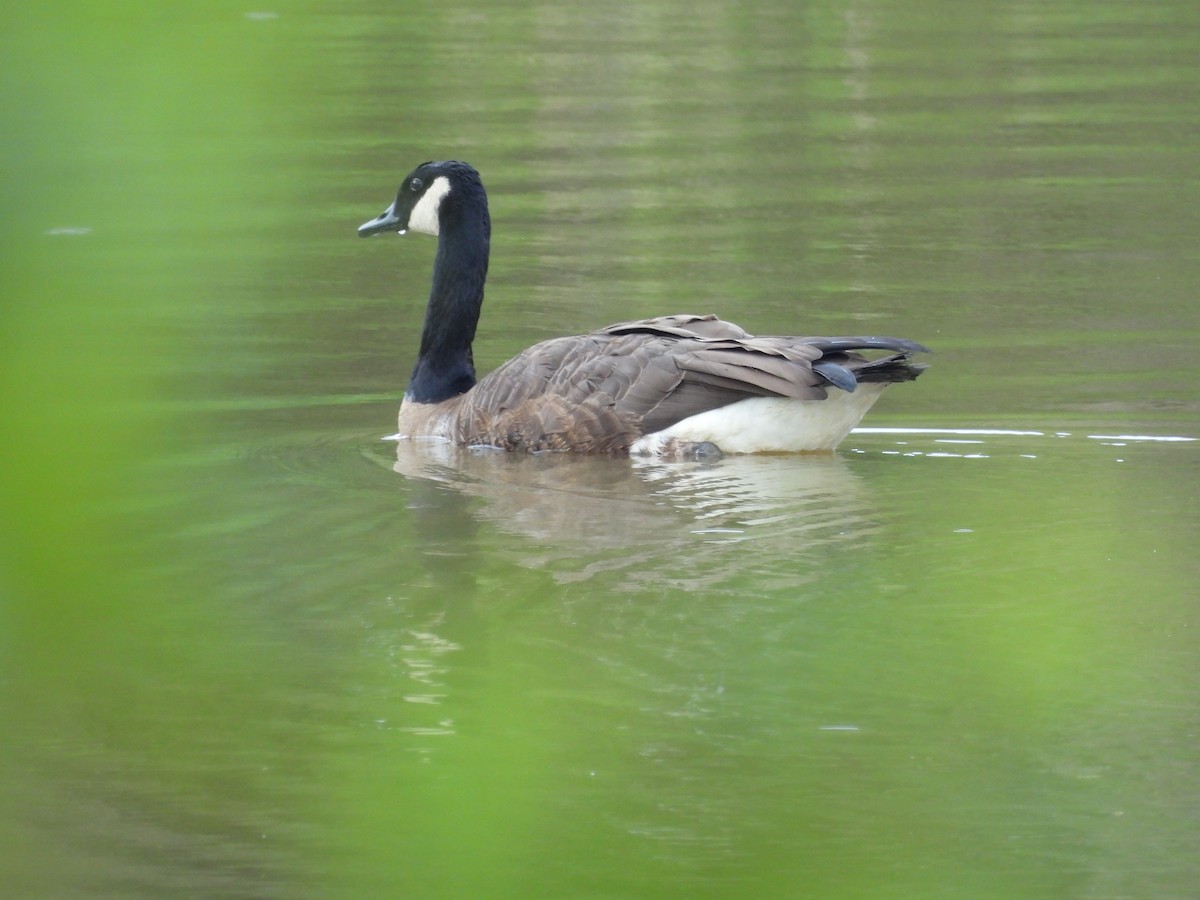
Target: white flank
[763, 424]
[424, 216]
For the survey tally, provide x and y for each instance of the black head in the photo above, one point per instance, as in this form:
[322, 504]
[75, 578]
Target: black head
[421, 202]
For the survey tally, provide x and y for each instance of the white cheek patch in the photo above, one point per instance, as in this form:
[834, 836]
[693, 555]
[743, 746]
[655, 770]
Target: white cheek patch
[424, 216]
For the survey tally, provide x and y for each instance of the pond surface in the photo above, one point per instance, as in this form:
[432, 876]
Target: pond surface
[253, 649]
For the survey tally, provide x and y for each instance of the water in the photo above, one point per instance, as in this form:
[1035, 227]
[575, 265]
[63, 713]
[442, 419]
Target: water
[252, 649]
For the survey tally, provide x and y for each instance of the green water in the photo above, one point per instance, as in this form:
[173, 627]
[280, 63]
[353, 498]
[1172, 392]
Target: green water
[251, 651]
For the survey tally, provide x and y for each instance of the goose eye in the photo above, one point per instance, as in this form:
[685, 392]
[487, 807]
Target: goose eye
[415, 184]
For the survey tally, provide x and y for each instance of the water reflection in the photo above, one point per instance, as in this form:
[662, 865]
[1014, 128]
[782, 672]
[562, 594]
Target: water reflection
[682, 523]
[689, 525]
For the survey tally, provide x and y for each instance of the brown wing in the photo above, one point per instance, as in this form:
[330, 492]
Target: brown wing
[599, 392]
[585, 393]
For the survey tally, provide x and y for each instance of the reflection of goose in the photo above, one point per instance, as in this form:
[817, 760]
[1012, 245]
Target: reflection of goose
[681, 523]
[675, 385]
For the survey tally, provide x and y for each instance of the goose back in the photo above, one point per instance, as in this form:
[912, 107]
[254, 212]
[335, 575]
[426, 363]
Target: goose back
[602, 392]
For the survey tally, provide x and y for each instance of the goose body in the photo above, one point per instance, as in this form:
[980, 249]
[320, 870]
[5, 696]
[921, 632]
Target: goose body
[679, 385]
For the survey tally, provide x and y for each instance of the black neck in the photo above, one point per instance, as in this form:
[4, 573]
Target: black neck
[444, 367]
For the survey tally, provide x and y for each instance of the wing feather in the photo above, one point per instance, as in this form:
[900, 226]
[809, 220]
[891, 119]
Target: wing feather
[599, 392]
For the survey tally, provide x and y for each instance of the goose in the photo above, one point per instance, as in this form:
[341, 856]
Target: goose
[675, 386]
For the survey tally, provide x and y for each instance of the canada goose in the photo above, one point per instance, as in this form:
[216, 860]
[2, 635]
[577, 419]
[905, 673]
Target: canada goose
[681, 385]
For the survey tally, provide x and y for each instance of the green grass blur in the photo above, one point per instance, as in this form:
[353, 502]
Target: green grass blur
[129, 130]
